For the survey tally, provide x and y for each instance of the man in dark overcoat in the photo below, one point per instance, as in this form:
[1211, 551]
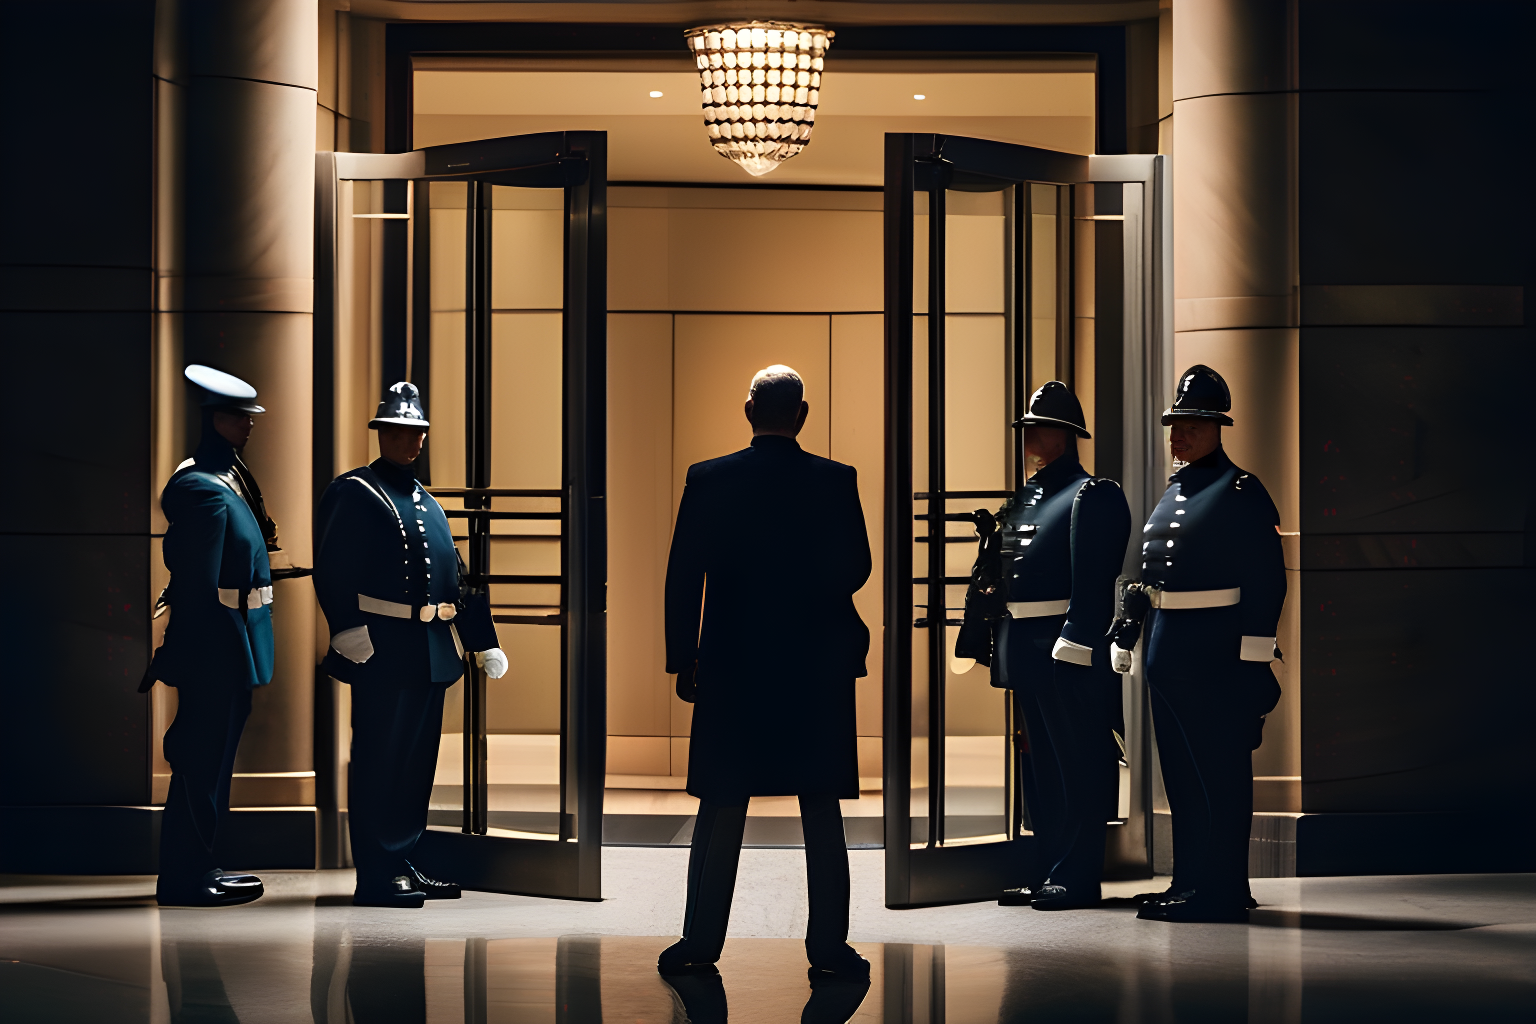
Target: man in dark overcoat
[1212, 586]
[218, 642]
[387, 576]
[1064, 536]
[771, 541]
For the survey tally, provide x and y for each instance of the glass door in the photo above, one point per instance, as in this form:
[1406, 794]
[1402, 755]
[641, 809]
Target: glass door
[1000, 275]
[508, 295]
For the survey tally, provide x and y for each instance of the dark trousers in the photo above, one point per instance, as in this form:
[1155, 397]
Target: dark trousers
[1081, 713]
[1205, 747]
[200, 746]
[395, 735]
[712, 862]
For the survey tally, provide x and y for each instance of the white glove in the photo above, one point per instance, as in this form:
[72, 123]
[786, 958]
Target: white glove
[1257, 648]
[353, 644]
[494, 661]
[1119, 659]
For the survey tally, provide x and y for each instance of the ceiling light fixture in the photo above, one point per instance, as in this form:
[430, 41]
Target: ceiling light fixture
[761, 82]
[655, 94]
[919, 96]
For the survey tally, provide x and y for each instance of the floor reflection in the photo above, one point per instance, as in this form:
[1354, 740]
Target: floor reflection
[1373, 950]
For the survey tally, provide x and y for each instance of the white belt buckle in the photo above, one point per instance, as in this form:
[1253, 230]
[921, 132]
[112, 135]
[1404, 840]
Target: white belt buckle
[1038, 609]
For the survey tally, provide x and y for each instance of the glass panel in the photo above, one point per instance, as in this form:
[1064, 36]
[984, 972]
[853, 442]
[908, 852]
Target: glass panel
[523, 708]
[1042, 286]
[977, 450]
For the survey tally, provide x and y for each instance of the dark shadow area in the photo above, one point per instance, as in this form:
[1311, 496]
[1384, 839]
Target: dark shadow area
[1350, 922]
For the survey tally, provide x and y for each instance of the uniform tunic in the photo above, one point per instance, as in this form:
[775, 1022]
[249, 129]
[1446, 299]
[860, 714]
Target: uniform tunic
[1081, 525]
[779, 535]
[218, 646]
[1214, 529]
[382, 536]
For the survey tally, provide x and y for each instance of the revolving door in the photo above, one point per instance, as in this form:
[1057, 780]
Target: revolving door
[1005, 267]
[499, 303]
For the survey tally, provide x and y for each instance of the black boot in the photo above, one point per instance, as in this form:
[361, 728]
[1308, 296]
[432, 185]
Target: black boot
[843, 962]
[431, 888]
[214, 889]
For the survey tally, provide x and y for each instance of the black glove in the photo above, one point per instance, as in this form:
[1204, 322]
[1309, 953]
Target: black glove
[687, 685]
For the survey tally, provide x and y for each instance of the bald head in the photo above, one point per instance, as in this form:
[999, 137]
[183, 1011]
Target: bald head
[776, 401]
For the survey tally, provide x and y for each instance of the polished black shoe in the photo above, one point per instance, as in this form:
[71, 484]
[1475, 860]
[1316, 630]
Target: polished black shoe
[841, 963]
[1191, 909]
[431, 888]
[398, 892]
[697, 998]
[1059, 897]
[677, 959]
[1020, 897]
[215, 889]
[1141, 899]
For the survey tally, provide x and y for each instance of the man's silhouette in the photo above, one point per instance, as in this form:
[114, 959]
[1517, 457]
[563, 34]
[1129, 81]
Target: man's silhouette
[777, 536]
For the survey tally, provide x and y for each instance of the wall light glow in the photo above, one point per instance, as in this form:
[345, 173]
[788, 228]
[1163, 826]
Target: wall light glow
[655, 94]
[919, 96]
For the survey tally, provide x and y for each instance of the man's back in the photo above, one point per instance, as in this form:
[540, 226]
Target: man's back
[780, 537]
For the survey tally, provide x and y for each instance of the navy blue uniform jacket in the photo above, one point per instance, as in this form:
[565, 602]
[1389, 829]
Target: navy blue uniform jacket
[381, 535]
[1082, 525]
[214, 543]
[1214, 529]
[771, 541]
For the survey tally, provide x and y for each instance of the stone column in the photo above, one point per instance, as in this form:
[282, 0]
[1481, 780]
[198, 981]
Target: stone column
[1235, 274]
[252, 75]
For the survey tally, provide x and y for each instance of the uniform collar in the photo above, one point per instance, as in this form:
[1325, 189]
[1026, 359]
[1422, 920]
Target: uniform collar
[1055, 475]
[214, 454]
[775, 443]
[1203, 471]
[394, 474]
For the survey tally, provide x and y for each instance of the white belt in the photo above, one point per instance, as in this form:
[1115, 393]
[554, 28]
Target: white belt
[1170, 600]
[395, 610]
[254, 599]
[1038, 609]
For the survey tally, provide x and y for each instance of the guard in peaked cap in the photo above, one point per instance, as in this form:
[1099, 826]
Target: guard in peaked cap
[1201, 393]
[1061, 541]
[389, 581]
[1211, 587]
[1054, 405]
[218, 642]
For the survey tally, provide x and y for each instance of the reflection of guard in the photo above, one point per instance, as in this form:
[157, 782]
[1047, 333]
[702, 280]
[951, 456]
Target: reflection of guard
[218, 643]
[387, 576]
[1212, 584]
[1063, 539]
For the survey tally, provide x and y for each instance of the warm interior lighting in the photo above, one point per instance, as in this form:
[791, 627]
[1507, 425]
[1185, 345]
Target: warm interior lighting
[761, 82]
[655, 94]
[919, 96]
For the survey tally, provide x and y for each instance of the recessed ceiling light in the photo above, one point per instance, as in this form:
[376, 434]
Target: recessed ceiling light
[919, 96]
[655, 94]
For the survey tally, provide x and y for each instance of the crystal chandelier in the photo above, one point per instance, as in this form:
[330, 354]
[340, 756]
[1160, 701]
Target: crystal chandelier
[761, 83]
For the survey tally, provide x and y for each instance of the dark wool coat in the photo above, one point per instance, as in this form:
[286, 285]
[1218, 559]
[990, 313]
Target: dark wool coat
[771, 541]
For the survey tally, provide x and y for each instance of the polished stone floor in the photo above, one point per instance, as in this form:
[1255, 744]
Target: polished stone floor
[1446, 948]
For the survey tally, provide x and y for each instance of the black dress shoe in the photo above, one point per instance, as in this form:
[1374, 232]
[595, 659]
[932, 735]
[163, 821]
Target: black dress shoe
[1141, 899]
[677, 960]
[398, 892]
[431, 888]
[697, 998]
[215, 889]
[1020, 897]
[1191, 909]
[840, 963]
[1059, 897]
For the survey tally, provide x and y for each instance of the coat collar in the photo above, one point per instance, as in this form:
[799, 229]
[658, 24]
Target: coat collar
[775, 443]
[395, 475]
[1203, 471]
[1055, 475]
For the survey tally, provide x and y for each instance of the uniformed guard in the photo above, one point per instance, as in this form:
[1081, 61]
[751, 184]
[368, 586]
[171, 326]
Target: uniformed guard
[1212, 583]
[1063, 541]
[218, 642]
[388, 578]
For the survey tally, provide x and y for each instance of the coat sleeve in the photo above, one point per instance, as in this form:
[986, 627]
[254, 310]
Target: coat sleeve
[1101, 527]
[340, 555]
[686, 567]
[194, 554]
[1261, 561]
[855, 534]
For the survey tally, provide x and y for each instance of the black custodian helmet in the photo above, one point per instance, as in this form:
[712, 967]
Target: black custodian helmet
[401, 406]
[1054, 405]
[1202, 394]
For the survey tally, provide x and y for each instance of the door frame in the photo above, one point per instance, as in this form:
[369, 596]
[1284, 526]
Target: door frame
[569, 867]
[933, 874]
